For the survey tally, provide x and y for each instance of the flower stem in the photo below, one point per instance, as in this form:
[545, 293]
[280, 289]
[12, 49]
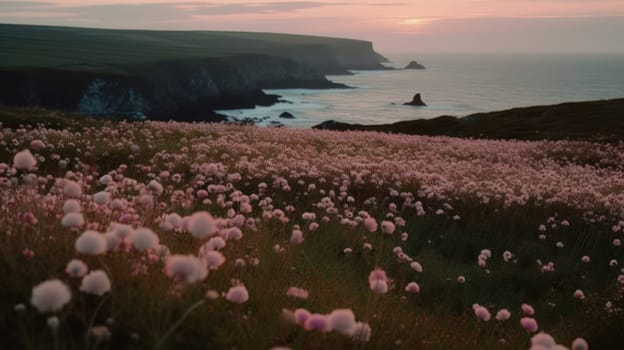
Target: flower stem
[172, 329]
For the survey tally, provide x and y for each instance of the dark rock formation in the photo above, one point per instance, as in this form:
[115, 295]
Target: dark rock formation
[415, 65]
[416, 101]
[275, 124]
[592, 120]
[183, 89]
[286, 115]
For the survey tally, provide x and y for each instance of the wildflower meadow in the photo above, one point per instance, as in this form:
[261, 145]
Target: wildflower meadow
[165, 235]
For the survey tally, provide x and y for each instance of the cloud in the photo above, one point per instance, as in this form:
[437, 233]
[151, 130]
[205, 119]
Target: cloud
[202, 8]
[140, 14]
[21, 6]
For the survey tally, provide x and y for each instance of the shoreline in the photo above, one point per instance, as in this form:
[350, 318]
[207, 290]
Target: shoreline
[596, 121]
[601, 120]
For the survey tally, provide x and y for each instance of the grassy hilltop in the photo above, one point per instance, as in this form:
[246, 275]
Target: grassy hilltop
[111, 50]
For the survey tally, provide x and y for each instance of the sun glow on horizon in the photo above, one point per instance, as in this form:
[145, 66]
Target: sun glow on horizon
[417, 21]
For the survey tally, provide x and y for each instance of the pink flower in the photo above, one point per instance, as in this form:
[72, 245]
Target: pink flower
[529, 324]
[413, 288]
[370, 224]
[185, 269]
[579, 344]
[342, 321]
[237, 294]
[298, 293]
[317, 322]
[301, 316]
[24, 160]
[202, 225]
[482, 313]
[37, 145]
[387, 227]
[503, 315]
[527, 309]
[297, 237]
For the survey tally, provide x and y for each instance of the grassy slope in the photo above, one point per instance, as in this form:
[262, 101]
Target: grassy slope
[104, 49]
[436, 319]
[579, 120]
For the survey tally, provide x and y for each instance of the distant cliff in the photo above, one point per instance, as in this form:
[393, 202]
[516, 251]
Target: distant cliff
[181, 90]
[89, 48]
[160, 74]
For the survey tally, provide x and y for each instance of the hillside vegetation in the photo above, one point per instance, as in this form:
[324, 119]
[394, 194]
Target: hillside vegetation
[176, 236]
[107, 50]
[593, 120]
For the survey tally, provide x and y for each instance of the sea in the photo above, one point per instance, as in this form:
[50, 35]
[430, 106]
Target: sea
[456, 85]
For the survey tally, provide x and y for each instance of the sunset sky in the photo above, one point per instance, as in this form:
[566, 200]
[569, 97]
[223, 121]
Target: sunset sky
[393, 25]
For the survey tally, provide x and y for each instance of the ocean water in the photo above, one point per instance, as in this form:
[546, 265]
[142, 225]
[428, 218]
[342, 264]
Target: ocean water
[455, 85]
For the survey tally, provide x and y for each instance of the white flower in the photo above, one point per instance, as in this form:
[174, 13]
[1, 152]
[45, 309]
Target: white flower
[91, 242]
[76, 268]
[102, 197]
[122, 231]
[72, 220]
[185, 268]
[202, 225]
[71, 206]
[342, 320]
[144, 238]
[96, 282]
[50, 295]
[72, 189]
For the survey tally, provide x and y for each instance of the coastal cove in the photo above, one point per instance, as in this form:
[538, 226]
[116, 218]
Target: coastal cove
[457, 85]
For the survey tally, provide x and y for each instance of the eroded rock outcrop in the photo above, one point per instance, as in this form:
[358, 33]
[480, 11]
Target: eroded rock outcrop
[182, 89]
[416, 101]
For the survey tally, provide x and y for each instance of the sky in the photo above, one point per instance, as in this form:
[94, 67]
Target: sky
[394, 26]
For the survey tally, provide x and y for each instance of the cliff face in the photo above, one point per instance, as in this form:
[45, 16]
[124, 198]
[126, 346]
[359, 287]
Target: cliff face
[159, 74]
[269, 72]
[39, 47]
[186, 90]
[358, 55]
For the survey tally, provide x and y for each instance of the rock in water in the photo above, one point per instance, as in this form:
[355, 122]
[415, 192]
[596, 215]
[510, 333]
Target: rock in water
[416, 101]
[415, 65]
[286, 115]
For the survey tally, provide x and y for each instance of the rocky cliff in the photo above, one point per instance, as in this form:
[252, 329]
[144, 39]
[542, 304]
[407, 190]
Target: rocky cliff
[181, 89]
[161, 74]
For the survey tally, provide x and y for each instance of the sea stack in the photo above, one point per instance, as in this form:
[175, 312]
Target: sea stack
[416, 101]
[415, 65]
[287, 115]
